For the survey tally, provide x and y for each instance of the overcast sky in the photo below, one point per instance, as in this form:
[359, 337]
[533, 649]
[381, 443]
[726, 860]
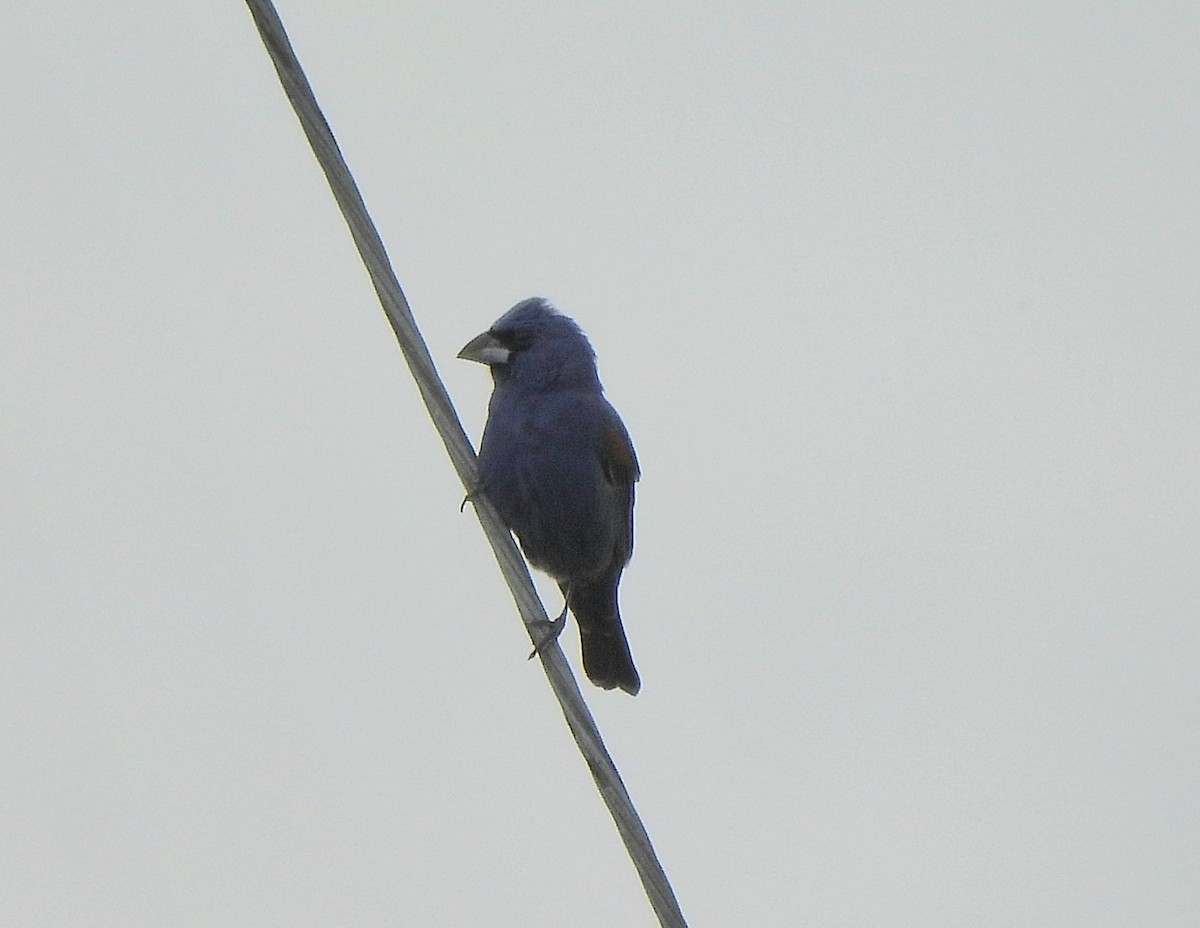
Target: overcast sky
[900, 305]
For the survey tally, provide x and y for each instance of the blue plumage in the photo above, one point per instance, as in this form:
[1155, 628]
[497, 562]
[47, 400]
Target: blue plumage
[558, 464]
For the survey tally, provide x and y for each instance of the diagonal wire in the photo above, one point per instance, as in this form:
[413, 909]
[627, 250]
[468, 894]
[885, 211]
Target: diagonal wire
[441, 410]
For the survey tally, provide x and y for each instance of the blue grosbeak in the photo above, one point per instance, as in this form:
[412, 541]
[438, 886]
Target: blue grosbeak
[557, 463]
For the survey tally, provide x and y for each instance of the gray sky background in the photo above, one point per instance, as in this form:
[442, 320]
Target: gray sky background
[899, 302]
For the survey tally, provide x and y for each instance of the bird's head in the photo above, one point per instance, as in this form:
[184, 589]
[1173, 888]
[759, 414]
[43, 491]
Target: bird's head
[535, 345]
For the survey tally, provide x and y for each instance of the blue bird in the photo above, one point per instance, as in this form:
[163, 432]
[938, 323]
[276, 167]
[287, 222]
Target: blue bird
[557, 462]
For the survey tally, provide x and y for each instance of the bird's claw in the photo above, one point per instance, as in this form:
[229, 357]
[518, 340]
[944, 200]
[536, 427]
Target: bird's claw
[552, 628]
[472, 495]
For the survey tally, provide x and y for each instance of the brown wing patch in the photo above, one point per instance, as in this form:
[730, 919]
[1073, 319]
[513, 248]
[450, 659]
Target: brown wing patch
[617, 456]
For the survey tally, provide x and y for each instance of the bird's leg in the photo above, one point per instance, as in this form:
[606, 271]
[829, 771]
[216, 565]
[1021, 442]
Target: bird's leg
[554, 627]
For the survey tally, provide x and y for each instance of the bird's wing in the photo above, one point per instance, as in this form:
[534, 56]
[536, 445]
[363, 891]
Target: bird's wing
[620, 466]
[616, 453]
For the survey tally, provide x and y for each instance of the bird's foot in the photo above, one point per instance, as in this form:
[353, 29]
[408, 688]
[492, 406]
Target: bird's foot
[552, 629]
[472, 495]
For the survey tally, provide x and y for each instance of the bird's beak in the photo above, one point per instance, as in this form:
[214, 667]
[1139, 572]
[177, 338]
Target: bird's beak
[486, 349]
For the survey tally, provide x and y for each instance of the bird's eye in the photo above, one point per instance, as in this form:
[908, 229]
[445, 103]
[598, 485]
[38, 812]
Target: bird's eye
[514, 340]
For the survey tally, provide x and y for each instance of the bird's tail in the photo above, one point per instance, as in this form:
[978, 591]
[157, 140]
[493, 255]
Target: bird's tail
[606, 657]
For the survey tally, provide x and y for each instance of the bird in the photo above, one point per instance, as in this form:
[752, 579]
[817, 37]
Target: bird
[557, 462]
